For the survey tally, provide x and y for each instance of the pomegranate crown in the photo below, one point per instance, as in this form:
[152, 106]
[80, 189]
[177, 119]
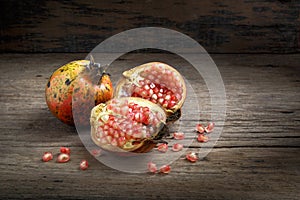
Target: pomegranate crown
[97, 67]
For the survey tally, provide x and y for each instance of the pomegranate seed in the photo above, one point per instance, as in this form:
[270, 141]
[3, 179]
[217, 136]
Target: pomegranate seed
[96, 152]
[47, 156]
[178, 136]
[152, 167]
[121, 141]
[65, 150]
[177, 147]
[200, 128]
[210, 127]
[202, 138]
[162, 148]
[84, 165]
[191, 156]
[63, 158]
[165, 169]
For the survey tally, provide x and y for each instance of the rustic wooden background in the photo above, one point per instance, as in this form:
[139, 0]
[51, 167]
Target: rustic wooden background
[255, 44]
[230, 26]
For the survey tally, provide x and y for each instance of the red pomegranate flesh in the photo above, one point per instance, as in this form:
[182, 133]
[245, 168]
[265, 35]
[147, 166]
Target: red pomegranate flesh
[127, 124]
[156, 82]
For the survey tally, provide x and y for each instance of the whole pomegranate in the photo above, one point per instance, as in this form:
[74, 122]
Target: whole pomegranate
[127, 124]
[81, 81]
[156, 82]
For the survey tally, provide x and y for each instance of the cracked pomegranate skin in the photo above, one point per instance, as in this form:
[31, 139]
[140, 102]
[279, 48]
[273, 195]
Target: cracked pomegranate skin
[157, 82]
[64, 83]
[127, 124]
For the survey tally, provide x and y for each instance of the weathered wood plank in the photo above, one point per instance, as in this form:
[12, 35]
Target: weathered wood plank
[225, 174]
[256, 157]
[231, 26]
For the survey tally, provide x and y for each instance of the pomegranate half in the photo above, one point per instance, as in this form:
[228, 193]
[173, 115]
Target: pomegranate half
[156, 82]
[127, 124]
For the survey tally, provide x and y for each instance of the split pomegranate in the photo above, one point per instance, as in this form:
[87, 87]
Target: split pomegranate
[63, 158]
[127, 124]
[165, 169]
[162, 148]
[94, 86]
[177, 147]
[84, 165]
[191, 156]
[152, 167]
[156, 82]
[47, 156]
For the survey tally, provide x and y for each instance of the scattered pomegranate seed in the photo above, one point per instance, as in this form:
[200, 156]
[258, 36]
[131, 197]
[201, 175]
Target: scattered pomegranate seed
[210, 127]
[65, 150]
[200, 128]
[84, 165]
[162, 148]
[191, 156]
[152, 167]
[165, 169]
[177, 147]
[96, 152]
[47, 156]
[178, 136]
[202, 138]
[63, 158]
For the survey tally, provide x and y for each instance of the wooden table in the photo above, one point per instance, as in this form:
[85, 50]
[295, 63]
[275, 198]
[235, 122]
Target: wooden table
[256, 157]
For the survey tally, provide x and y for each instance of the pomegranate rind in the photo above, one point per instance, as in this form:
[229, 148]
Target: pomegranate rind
[75, 80]
[145, 144]
[133, 76]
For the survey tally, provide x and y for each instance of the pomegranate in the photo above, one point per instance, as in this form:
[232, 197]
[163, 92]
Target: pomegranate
[156, 82]
[94, 85]
[127, 124]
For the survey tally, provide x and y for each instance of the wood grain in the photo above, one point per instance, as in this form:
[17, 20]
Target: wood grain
[256, 157]
[243, 26]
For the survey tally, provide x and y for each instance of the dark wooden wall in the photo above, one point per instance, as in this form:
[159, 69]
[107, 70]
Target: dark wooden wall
[229, 26]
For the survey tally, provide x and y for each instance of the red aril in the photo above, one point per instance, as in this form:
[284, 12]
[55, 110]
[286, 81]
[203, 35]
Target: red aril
[162, 148]
[63, 158]
[178, 136]
[177, 147]
[156, 82]
[84, 165]
[210, 127]
[152, 167]
[127, 124]
[202, 138]
[165, 169]
[191, 156]
[200, 128]
[47, 156]
[65, 150]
